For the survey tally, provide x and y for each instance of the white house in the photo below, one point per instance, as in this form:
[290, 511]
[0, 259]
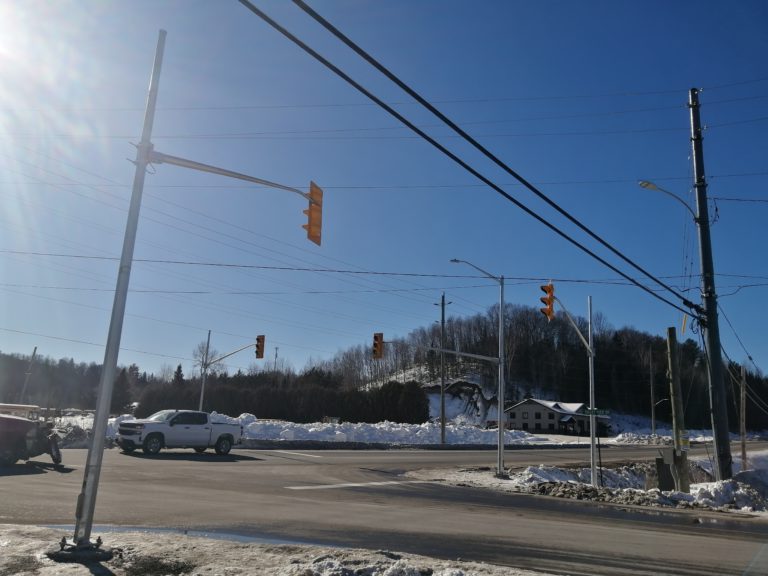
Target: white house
[533, 415]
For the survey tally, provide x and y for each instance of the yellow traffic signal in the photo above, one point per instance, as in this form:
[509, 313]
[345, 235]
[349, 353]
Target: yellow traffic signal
[260, 346]
[314, 225]
[548, 300]
[378, 345]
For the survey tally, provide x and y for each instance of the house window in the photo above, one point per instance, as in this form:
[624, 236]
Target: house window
[512, 415]
[525, 415]
[551, 416]
[551, 426]
[538, 415]
[538, 426]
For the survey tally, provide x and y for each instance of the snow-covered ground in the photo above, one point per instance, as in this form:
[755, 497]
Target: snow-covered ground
[22, 551]
[747, 492]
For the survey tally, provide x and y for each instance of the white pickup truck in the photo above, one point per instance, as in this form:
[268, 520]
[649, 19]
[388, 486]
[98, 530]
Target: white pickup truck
[179, 429]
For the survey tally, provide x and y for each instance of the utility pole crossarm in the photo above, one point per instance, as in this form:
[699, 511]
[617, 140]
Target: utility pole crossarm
[156, 157]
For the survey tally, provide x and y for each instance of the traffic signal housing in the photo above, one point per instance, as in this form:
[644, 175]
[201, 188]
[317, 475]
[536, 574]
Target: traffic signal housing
[314, 225]
[260, 346]
[548, 300]
[378, 345]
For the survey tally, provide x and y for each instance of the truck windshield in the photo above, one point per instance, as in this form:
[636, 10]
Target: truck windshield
[162, 416]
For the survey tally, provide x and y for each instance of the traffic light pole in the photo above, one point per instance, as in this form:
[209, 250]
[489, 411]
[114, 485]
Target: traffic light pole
[208, 363]
[145, 155]
[204, 371]
[86, 501]
[588, 344]
[710, 325]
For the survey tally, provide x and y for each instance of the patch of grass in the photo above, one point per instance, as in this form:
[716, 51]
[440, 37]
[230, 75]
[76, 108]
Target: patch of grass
[156, 566]
[20, 565]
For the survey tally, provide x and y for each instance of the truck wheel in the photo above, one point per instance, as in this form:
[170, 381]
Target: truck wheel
[200, 449]
[152, 444]
[53, 445]
[223, 446]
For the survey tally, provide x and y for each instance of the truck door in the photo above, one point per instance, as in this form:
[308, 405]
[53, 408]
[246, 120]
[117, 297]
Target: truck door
[189, 429]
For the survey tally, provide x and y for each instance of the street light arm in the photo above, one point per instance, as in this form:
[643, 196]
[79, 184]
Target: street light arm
[488, 274]
[651, 186]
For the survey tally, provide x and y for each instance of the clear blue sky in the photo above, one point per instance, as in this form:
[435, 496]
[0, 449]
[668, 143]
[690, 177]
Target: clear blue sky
[581, 98]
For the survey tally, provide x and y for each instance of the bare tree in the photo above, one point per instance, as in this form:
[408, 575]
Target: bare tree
[199, 355]
[165, 374]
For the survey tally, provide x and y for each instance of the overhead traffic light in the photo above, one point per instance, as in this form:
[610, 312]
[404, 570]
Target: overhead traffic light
[314, 225]
[548, 300]
[378, 345]
[260, 346]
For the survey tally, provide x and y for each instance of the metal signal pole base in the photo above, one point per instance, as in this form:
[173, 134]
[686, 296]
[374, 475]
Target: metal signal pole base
[83, 554]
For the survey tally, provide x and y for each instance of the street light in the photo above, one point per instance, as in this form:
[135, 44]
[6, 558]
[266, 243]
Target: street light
[708, 312]
[648, 185]
[500, 395]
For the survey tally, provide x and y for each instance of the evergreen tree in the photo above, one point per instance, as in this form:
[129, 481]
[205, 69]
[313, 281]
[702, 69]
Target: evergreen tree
[120, 393]
[178, 377]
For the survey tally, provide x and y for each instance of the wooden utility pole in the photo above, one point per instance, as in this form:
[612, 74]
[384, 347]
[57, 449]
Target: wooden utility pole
[709, 321]
[442, 369]
[680, 457]
[743, 418]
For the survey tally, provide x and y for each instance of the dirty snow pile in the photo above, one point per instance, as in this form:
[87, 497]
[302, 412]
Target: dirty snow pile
[747, 491]
[22, 551]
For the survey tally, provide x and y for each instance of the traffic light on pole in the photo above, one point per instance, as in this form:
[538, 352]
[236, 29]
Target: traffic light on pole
[260, 346]
[314, 225]
[378, 345]
[548, 300]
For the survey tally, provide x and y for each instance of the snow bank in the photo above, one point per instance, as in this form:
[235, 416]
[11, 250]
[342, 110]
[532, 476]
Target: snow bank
[379, 433]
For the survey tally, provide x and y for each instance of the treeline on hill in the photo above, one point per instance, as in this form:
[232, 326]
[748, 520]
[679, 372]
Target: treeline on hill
[310, 397]
[544, 360]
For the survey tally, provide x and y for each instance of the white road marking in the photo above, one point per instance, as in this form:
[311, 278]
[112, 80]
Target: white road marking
[356, 484]
[296, 453]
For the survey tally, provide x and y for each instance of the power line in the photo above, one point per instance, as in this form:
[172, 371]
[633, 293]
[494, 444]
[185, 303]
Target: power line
[381, 68]
[594, 181]
[738, 339]
[459, 161]
[75, 341]
[344, 133]
[483, 100]
[511, 278]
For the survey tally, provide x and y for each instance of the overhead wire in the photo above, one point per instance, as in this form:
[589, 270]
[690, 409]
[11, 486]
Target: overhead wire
[518, 279]
[482, 149]
[465, 165]
[75, 341]
[530, 98]
[195, 226]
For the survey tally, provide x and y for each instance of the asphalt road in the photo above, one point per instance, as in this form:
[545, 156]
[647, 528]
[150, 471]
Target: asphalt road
[358, 498]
